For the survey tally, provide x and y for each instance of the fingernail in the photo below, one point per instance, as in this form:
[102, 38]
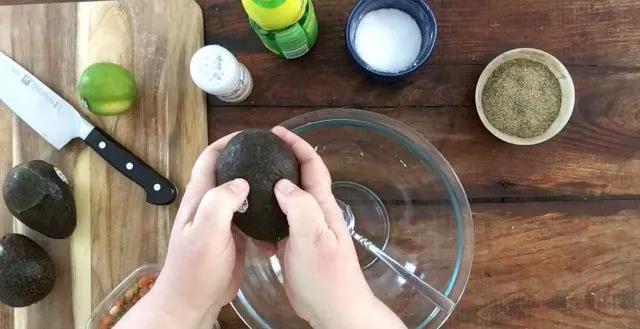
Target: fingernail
[285, 187]
[238, 186]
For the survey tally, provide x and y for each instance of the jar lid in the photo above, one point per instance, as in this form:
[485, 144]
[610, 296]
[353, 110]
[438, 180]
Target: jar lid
[214, 69]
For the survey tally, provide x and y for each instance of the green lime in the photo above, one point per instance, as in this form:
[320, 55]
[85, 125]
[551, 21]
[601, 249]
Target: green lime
[107, 89]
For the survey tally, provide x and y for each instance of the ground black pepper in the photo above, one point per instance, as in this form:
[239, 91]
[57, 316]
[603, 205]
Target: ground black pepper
[522, 98]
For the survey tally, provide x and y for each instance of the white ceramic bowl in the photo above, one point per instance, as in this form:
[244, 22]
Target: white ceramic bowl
[566, 85]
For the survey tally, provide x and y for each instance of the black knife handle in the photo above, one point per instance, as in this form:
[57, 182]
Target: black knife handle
[160, 191]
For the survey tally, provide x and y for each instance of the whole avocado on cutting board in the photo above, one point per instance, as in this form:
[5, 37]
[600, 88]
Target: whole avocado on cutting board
[262, 159]
[38, 194]
[116, 230]
[27, 273]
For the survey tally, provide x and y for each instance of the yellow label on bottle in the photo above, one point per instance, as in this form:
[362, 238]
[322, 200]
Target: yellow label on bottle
[274, 14]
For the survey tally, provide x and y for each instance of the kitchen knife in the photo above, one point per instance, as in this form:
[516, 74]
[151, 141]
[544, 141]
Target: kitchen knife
[58, 122]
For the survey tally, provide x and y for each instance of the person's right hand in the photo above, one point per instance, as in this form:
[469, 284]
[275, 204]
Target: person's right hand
[322, 275]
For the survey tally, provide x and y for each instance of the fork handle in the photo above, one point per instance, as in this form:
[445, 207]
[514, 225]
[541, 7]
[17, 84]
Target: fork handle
[441, 301]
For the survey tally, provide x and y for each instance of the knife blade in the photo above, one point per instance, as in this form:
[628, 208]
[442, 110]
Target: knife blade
[59, 123]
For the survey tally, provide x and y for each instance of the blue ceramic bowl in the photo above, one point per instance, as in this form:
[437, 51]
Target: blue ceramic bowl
[419, 10]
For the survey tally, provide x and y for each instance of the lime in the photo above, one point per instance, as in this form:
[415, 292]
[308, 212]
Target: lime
[107, 89]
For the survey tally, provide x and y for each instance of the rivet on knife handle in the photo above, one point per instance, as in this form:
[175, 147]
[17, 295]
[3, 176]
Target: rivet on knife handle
[160, 191]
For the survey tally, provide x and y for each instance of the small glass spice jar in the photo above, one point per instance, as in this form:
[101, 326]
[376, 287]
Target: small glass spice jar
[218, 72]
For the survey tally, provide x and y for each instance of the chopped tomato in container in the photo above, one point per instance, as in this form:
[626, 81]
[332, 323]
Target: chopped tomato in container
[124, 297]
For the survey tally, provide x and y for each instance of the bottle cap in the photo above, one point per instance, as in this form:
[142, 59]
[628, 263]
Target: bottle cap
[273, 15]
[214, 69]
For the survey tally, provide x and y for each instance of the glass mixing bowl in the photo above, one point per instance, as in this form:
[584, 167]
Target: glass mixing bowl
[406, 199]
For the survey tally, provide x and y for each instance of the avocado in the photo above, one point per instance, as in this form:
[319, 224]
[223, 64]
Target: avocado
[262, 159]
[37, 194]
[27, 273]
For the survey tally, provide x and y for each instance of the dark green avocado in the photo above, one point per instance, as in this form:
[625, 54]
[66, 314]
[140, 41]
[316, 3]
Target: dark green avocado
[27, 273]
[262, 159]
[38, 195]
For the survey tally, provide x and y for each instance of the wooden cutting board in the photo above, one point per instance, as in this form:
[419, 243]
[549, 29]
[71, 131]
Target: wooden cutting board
[117, 231]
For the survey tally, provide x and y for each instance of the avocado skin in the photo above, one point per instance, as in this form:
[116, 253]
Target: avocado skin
[27, 273]
[262, 159]
[39, 198]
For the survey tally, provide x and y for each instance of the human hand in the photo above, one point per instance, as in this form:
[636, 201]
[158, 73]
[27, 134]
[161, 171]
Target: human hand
[322, 275]
[205, 261]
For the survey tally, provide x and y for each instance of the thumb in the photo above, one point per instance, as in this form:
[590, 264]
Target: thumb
[218, 205]
[304, 215]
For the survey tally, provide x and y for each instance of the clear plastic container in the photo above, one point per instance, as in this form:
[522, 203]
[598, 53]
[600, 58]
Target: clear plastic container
[107, 304]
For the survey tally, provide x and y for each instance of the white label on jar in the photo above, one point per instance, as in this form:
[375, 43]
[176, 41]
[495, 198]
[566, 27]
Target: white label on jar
[238, 90]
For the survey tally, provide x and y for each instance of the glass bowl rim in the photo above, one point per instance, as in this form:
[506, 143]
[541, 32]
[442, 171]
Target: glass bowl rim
[420, 146]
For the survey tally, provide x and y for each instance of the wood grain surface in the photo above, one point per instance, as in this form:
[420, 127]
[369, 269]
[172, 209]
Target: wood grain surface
[556, 265]
[554, 221]
[555, 224]
[595, 156]
[117, 231]
[471, 32]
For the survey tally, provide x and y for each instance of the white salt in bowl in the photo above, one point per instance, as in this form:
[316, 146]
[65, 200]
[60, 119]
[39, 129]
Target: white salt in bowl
[424, 18]
[558, 70]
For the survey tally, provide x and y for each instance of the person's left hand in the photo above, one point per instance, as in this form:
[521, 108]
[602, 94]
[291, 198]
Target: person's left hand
[204, 264]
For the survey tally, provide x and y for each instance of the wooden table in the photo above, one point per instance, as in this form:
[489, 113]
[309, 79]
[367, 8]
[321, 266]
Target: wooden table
[558, 224]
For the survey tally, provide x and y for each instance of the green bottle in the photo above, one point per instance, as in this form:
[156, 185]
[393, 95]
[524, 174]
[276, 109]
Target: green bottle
[288, 28]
